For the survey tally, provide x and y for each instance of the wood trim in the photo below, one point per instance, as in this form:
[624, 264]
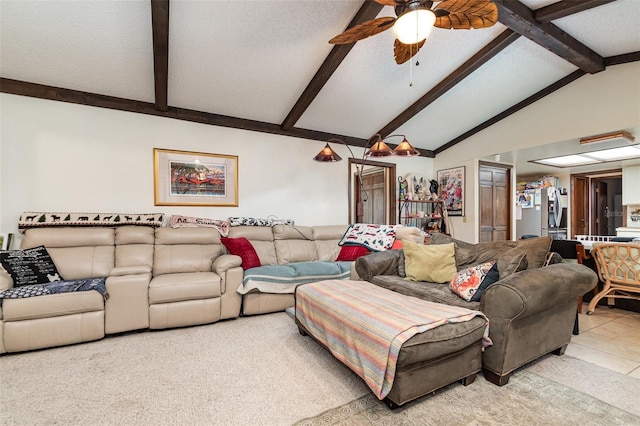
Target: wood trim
[520, 18]
[368, 10]
[390, 183]
[160, 27]
[496, 46]
[517, 107]
[565, 8]
[622, 59]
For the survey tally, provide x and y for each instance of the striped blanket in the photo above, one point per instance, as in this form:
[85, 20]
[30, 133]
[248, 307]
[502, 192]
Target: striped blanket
[364, 326]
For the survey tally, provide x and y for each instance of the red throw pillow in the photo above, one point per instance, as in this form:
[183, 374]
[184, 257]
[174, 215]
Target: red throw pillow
[397, 245]
[350, 253]
[243, 248]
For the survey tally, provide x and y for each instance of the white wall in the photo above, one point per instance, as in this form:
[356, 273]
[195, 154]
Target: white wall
[57, 156]
[591, 105]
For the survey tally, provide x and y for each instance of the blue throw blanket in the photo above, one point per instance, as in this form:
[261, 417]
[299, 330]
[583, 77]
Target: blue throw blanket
[97, 284]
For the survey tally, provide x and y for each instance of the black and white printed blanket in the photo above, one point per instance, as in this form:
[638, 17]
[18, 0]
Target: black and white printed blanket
[97, 284]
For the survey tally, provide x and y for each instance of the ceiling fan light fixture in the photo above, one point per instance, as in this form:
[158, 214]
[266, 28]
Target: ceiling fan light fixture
[414, 26]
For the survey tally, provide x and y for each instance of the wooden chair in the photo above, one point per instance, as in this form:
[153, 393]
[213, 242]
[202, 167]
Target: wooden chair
[618, 266]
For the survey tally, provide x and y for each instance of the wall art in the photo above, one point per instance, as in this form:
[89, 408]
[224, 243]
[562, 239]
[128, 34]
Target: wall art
[451, 183]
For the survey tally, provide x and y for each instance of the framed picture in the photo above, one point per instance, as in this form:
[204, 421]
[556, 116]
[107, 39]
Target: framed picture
[451, 182]
[6, 241]
[183, 178]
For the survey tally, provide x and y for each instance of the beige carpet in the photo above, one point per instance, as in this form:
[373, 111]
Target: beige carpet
[260, 371]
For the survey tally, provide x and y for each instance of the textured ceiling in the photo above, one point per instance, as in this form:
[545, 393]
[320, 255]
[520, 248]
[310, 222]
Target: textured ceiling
[254, 59]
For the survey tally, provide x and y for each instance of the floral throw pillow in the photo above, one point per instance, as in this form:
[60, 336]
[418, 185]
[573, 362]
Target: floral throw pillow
[466, 282]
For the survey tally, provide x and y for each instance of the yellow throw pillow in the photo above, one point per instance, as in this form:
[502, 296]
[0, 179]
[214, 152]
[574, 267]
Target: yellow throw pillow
[431, 263]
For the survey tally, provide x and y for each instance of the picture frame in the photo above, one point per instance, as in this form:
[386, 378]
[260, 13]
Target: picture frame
[451, 188]
[6, 241]
[186, 178]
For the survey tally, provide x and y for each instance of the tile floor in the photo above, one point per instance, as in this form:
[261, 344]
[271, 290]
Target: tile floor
[609, 338]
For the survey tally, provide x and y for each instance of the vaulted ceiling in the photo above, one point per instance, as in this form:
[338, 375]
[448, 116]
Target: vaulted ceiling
[267, 66]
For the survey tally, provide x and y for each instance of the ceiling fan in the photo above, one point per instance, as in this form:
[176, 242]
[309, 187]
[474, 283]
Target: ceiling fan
[416, 18]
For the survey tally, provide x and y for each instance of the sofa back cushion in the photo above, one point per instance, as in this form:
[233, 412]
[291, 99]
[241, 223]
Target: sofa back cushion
[261, 238]
[185, 250]
[326, 239]
[77, 252]
[134, 246]
[468, 254]
[294, 244]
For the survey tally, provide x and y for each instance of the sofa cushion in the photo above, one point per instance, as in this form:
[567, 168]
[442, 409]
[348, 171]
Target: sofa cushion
[261, 238]
[294, 244]
[434, 263]
[351, 253]
[468, 254]
[466, 282]
[30, 266]
[243, 248]
[52, 305]
[511, 262]
[168, 288]
[433, 292]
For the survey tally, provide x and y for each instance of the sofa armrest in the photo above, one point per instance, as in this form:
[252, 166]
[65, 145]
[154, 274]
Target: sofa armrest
[533, 291]
[130, 270]
[379, 263]
[228, 267]
[127, 307]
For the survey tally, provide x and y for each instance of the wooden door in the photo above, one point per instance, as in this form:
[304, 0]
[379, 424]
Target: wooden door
[579, 206]
[495, 203]
[601, 206]
[370, 199]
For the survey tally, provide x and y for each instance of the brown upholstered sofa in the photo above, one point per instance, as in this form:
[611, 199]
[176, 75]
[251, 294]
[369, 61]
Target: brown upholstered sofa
[531, 312]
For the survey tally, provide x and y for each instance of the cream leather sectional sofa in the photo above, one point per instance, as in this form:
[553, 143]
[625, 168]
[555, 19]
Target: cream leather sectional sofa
[156, 278]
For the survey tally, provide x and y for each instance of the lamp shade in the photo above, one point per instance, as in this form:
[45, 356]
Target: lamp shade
[379, 149]
[327, 155]
[414, 26]
[405, 149]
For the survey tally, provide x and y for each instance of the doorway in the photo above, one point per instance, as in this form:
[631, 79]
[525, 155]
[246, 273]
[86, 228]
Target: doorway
[596, 203]
[372, 192]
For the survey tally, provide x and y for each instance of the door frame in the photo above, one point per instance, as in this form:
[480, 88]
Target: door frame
[389, 182]
[510, 190]
[592, 178]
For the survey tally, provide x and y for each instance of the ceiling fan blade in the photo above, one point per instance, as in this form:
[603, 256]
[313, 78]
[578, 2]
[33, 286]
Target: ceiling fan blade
[403, 52]
[364, 30]
[388, 2]
[467, 14]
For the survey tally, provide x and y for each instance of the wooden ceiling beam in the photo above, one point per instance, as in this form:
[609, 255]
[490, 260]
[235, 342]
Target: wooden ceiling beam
[565, 8]
[368, 10]
[160, 28]
[496, 46]
[40, 91]
[520, 19]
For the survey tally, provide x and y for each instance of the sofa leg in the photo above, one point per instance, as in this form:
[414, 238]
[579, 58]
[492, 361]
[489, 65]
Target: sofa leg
[389, 403]
[302, 332]
[560, 350]
[495, 378]
[469, 379]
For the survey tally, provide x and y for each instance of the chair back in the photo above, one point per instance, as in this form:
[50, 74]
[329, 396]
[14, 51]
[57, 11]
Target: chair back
[618, 263]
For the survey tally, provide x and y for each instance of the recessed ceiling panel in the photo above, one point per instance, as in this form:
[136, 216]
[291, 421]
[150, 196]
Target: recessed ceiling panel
[249, 59]
[518, 72]
[369, 89]
[95, 46]
[611, 29]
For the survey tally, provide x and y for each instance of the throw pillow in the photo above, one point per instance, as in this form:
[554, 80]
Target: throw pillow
[350, 253]
[552, 259]
[536, 249]
[493, 276]
[510, 262]
[30, 266]
[429, 263]
[243, 248]
[466, 282]
[397, 245]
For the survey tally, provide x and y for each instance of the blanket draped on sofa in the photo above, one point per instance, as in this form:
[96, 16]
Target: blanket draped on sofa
[97, 284]
[364, 325]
